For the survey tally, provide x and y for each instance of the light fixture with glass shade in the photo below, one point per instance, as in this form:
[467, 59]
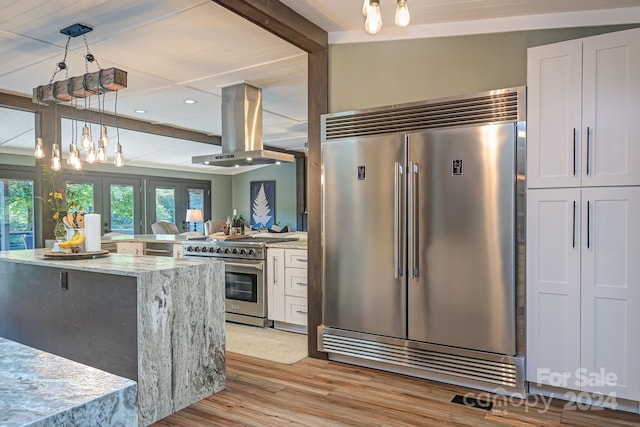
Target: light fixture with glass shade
[373, 21]
[85, 86]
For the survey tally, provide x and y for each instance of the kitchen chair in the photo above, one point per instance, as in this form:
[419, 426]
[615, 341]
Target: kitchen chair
[164, 227]
[213, 226]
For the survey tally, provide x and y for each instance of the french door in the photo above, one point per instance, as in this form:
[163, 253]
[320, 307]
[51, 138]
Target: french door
[117, 199]
[122, 199]
[16, 210]
[169, 201]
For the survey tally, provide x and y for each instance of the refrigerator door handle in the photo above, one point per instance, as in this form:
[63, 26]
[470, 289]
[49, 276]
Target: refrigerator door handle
[397, 223]
[412, 234]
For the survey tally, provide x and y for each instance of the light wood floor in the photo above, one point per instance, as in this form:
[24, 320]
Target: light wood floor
[321, 393]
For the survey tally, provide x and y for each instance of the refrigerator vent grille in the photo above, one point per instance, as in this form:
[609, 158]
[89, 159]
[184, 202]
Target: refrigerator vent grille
[493, 372]
[486, 109]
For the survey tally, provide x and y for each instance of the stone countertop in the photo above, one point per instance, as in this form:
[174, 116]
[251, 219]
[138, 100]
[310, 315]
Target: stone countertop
[297, 244]
[146, 238]
[44, 389]
[119, 264]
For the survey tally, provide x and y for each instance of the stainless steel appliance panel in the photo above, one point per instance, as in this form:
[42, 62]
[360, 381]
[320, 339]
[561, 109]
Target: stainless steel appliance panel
[245, 287]
[364, 235]
[461, 255]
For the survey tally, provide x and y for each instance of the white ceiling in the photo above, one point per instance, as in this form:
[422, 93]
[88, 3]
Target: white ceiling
[188, 49]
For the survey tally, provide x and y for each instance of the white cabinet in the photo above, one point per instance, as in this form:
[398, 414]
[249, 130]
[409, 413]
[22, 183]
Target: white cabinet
[131, 248]
[150, 248]
[275, 285]
[582, 113]
[583, 289]
[553, 283]
[610, 300]
[287, 287]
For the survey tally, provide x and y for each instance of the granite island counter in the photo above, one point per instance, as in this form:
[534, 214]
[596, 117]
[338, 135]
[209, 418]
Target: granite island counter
[156, 320]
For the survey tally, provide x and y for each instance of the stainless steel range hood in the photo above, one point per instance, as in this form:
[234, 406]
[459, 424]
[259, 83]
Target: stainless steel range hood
[242, 131]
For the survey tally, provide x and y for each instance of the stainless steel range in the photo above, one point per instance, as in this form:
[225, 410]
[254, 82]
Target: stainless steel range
[245, 275]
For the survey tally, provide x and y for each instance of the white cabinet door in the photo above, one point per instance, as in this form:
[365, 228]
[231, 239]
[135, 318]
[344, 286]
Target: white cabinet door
[275, 285]
[296, 308]
[554, 102]
[296, 258]
[611, 290]
[611, 109]
[296, 282]
[131, 248]
[553, 284]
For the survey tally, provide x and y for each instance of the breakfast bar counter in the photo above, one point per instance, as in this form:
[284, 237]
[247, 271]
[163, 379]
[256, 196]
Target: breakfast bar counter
[42, 389]
[155, 320]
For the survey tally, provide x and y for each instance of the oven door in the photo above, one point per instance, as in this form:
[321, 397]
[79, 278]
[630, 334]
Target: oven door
[245, 287]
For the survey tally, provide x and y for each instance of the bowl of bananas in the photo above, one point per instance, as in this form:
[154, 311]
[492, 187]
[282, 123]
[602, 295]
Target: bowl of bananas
[74, 242]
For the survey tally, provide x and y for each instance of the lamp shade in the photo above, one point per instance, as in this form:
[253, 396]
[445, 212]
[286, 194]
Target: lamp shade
[194, 215]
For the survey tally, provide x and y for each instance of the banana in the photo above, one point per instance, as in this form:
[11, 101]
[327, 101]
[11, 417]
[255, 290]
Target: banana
[76, 240]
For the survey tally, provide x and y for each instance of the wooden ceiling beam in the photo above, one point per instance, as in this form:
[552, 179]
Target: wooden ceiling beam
[278, 19]
[282, 21]
[24, 103]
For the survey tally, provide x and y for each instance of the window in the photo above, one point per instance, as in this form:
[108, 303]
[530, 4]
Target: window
[16, 213]
[169, 201]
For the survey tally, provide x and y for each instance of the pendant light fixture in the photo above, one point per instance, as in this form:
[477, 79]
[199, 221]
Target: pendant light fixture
[402, 14]
[91, 83]
[118, 160]
[373, 21]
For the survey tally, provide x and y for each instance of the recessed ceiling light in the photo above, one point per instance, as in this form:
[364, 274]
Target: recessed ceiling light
[237, 166]
[277, 163]
[189, 101]
[141, 111]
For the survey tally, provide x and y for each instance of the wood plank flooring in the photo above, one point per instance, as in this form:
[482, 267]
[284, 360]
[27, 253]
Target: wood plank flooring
[321, 393]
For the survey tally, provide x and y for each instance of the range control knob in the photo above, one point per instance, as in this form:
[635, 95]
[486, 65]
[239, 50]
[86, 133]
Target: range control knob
[189, 248]
[212, 250]
[242, 252]
[234, 251]
[226, 250]
[252, 252]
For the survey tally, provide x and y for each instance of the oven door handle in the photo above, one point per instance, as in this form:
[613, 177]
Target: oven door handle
[237, 264]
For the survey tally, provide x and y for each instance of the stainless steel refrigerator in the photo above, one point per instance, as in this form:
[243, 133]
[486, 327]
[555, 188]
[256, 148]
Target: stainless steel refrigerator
[419, 238]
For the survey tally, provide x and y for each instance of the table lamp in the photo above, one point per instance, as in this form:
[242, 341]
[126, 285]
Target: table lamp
[194, 215]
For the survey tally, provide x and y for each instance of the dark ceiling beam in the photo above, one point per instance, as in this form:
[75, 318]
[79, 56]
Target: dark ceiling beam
[280, 20]
[24, 103]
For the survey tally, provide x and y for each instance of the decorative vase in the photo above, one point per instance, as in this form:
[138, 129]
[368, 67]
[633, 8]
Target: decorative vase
[60, 231]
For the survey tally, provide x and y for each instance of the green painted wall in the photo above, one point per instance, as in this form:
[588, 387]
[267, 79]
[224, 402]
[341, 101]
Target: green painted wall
[365, 75]
[285, 177]
[221, 195]
[17, 160]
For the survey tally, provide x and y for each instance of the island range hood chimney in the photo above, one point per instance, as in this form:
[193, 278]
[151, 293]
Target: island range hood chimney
[242, 131]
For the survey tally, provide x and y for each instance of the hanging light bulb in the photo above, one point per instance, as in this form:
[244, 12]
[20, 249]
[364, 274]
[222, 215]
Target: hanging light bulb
[39, 153]
[91, 155]
[402, 14]
[373, 24]
[119, 158]
[365, 5]
[70, 155]
[77, 164]
[85, 142]
[55, 158]
[102, 155]
[104, 138]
